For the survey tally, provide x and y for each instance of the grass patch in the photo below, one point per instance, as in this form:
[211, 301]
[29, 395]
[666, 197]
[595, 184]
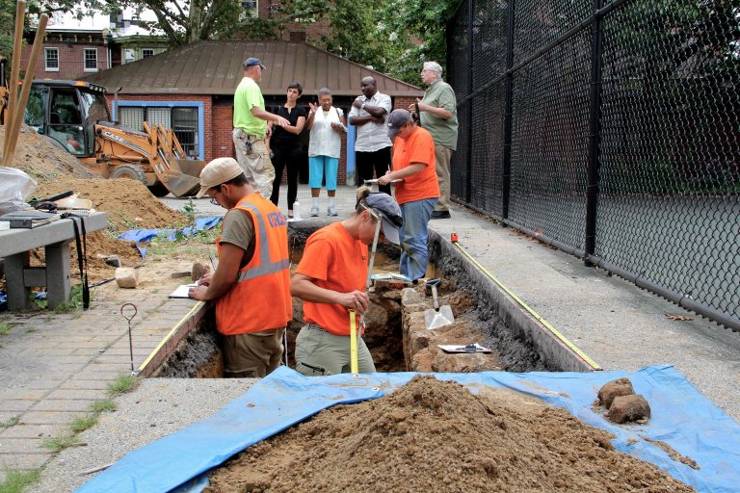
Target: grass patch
[192, 245]
[81, 424]
[57, 444]
[122, 384]
[104, 406]
[73, 305]
[4, 328]
[17, 481]
[9, 422]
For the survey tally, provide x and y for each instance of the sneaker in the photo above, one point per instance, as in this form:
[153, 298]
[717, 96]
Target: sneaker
[314, 212]
[331, 211]
[441, 214]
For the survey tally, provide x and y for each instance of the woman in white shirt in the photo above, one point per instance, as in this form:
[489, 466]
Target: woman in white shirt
[327, 126]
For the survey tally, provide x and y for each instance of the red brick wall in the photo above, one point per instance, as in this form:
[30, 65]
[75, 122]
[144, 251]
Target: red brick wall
[403, 102]
[71, 60]
[221, 142]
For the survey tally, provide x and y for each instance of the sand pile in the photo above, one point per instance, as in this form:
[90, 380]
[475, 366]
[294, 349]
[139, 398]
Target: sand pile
[436, 436]
[38, 156]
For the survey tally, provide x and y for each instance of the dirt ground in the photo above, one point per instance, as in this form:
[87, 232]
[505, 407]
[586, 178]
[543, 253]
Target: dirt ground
[437, 436]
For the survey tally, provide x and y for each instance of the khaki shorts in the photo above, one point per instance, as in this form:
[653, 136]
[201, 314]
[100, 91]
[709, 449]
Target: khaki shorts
[254, 159]
[318, 352]
[252, 355]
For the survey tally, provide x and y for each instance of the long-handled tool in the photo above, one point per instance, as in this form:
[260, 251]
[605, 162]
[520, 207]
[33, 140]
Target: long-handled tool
[354, 358]
[439, 316]
[129, 311]
[373, 184]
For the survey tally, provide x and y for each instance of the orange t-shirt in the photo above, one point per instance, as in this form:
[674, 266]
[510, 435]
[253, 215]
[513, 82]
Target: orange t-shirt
[417, 148]
[338, 262]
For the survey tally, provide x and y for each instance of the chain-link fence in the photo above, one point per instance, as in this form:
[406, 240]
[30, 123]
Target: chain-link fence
[610, 129]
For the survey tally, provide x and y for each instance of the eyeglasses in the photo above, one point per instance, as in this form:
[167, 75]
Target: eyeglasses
[214, 201]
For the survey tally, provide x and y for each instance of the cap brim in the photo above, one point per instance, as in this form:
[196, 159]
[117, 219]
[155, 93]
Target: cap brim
[201, 192]
[390, 231]
[392, 132]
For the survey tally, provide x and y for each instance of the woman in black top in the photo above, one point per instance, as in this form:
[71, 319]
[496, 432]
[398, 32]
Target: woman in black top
[286, 145]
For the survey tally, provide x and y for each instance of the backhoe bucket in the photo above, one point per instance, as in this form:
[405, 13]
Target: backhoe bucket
[191, 167]
[179, 183]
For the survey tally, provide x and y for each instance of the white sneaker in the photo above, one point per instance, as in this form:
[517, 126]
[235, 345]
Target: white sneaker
[331, 211]
[314, 212]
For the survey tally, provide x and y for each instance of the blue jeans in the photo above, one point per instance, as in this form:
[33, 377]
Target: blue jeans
[413, 235]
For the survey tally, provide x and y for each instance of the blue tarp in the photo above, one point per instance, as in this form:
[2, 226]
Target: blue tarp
[144, 235]
[681, 417]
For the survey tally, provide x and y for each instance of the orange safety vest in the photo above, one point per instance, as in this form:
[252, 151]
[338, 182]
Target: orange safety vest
[260, 300]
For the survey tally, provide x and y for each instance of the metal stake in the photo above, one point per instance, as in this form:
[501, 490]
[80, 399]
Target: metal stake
[128, 314]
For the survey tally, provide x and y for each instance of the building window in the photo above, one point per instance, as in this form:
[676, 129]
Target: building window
[182, 119]
[250, 8]
[91, 59]
[51, 59]
[147, 52]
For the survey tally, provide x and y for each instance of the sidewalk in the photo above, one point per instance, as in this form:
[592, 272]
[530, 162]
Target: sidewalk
[617, 324]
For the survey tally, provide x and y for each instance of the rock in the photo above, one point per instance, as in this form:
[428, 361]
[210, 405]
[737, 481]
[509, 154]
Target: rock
[112, 260]
[410, 296]
[198, 271]
[127, 277]
[180, 273]
[615, 388]
[464, 362]
[628, 408]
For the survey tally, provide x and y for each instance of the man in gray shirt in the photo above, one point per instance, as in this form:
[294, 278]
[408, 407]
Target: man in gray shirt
[438, 114]
[372, 147]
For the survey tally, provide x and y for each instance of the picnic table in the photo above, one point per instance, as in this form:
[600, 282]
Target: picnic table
[20, 277]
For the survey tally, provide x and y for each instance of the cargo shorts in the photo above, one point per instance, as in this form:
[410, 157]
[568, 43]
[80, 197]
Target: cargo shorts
[252, 355]
[318, 352]
[254, 158]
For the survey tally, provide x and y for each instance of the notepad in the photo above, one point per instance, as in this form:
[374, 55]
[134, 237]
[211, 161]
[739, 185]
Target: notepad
[182, 291]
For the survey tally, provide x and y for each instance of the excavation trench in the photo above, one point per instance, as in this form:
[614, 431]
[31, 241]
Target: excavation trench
[395, 327]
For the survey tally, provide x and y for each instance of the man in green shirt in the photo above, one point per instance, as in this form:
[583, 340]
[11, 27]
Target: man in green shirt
[438, 114]
[251, 128]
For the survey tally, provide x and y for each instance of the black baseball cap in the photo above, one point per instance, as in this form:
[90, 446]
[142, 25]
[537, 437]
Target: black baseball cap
[396, 120]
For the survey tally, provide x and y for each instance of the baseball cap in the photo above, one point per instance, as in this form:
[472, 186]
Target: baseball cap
[396, 120]
[251, 61]
[390, 214]
[218, 171]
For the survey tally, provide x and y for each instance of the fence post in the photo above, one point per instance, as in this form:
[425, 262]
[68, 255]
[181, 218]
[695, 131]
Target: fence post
[592, 190]
[508, 107]
[469, 173]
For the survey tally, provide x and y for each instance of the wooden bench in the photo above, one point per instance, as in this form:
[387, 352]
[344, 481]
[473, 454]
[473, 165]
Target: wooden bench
[15, 247]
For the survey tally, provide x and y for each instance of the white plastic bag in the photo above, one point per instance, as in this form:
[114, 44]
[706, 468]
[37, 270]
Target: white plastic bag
[15, 185]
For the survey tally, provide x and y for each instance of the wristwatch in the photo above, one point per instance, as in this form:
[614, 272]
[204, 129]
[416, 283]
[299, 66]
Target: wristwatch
[363, 106]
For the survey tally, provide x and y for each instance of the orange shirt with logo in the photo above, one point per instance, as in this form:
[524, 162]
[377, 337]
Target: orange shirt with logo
[338, 262]
[417, 148]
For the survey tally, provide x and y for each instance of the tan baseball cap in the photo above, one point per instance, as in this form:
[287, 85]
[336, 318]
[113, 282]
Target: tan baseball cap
[218, 171]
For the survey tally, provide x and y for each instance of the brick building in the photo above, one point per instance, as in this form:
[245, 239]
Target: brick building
[190, 89]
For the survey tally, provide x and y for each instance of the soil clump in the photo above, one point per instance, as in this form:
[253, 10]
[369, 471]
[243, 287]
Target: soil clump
[41, 159]
[436, 436]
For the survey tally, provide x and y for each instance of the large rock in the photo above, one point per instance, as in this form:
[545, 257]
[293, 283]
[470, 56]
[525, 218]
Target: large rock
[464, 362]
[127, 277]
[615, 388]
[628, 408]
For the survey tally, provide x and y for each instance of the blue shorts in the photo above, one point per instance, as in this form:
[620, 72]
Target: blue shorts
[320, 165]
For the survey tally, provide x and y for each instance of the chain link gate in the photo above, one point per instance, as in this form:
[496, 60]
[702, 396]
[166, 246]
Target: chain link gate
[610, 129]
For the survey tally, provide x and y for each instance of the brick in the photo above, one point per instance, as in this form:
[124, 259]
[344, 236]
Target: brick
[32, 431]
[85, 384]
[23, 461]
[49, 417]
[21, 446]
[22, 394]
[15, 405]
[62, 405]
[77, 394]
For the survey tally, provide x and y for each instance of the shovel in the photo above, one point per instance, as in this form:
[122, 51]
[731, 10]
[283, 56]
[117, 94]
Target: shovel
[439, 316]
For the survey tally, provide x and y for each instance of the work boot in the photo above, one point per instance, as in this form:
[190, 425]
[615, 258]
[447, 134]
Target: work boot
[314, 212]
[331, 212]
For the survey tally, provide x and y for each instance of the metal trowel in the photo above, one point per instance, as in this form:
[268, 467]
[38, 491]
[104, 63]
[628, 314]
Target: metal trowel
[439, 316]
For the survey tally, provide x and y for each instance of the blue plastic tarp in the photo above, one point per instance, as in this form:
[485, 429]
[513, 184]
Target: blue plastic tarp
[141, 236]
[681, 417]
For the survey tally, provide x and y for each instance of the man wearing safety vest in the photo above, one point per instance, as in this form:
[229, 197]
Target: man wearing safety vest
[251, 285]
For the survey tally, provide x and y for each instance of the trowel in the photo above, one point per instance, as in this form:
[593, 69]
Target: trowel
[439, 316]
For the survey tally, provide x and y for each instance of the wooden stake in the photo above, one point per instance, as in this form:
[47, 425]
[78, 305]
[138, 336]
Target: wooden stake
[38, 44]
[15, 68]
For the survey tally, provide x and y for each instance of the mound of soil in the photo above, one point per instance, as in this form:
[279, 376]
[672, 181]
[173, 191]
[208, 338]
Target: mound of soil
[437, 436]
[43, 160]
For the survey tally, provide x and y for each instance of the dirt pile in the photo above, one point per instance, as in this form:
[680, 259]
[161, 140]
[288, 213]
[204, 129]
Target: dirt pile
[437, 436]
[43, 160]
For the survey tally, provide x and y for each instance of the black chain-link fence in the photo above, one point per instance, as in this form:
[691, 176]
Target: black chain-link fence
[611, 129]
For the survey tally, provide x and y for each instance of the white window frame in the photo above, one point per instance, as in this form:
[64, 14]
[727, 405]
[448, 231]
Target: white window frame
[84, 59]
[46, 59]
[150, 49]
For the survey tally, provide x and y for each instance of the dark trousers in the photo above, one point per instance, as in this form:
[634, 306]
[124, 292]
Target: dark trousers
[378, 161]
[285, 157]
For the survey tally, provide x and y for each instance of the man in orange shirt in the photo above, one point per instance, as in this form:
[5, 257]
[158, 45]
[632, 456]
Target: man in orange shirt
[330, 279]
[251, 285]
[414, 164]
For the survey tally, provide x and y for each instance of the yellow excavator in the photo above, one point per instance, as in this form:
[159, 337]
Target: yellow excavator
[74, 114]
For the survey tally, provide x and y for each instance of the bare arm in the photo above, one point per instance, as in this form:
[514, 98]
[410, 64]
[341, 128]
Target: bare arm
[298, 127]
[223, 279]
[270, 117]
[358, 121]
[376, 111]
[304, 288]
[438, 112]
[409, 170]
